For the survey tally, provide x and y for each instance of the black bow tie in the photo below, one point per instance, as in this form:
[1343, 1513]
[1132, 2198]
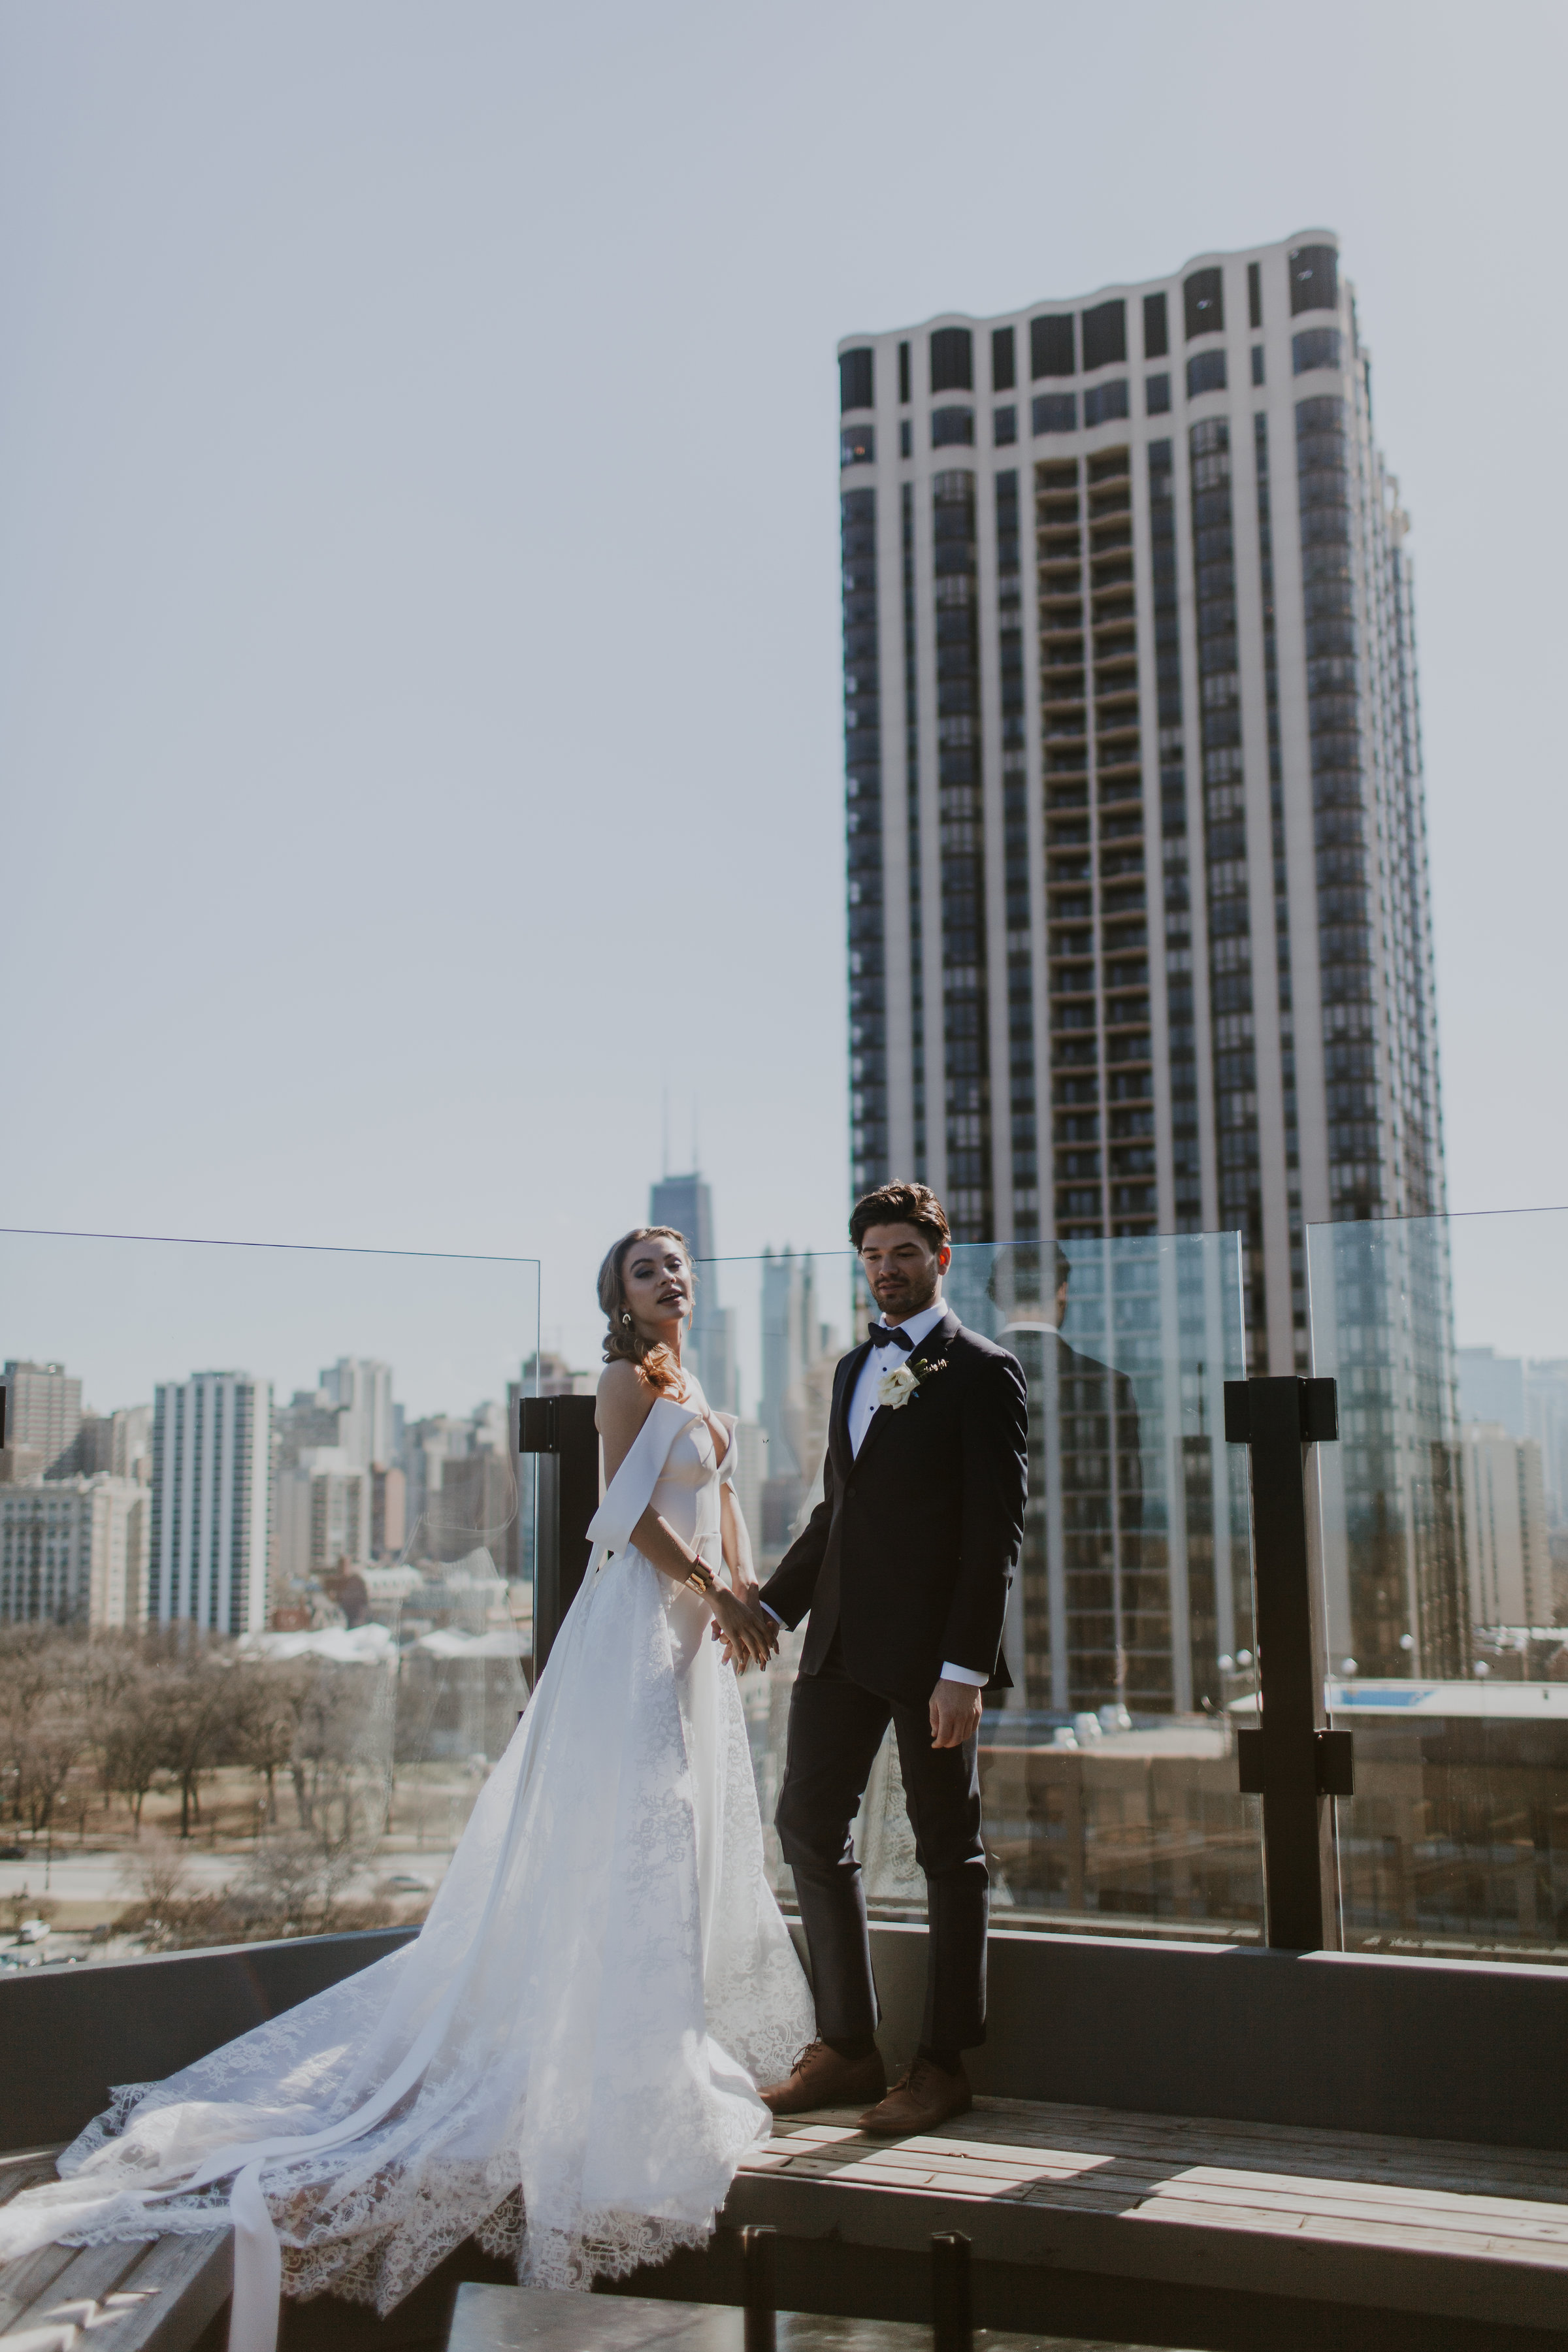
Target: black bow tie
[881, 1336]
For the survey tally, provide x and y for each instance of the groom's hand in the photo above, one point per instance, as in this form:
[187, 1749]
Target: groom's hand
[744, 1628]
[954, 1713]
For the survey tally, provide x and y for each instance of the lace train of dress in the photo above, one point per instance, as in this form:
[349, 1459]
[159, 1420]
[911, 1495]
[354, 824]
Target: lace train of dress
[564, 2061]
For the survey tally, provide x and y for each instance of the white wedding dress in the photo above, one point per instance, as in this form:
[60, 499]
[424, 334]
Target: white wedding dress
[565, 2063]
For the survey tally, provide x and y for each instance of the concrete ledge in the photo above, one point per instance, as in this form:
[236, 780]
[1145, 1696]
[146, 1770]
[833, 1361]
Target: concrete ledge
[69, 2035]
[1416, 2049]
[1419, 2049]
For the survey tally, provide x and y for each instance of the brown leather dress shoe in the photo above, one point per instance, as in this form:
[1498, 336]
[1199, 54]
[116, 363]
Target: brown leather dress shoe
[919, 2102]
[821, 2078]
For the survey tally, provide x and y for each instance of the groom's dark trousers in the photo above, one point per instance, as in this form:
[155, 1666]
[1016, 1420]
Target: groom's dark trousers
[836, 1727]
[903, 1567]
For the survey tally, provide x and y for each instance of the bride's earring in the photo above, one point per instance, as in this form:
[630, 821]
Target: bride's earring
[626, 1318]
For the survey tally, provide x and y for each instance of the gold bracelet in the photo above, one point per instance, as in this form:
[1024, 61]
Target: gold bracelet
[701, 1579]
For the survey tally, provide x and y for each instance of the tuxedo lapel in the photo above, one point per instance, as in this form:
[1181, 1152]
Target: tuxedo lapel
[929, 1349]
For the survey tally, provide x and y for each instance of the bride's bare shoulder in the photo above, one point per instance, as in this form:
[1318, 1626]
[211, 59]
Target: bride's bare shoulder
[625, 1399]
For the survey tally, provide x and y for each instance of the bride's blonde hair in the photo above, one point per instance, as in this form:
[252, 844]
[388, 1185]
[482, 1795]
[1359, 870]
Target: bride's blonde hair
[624, 1343]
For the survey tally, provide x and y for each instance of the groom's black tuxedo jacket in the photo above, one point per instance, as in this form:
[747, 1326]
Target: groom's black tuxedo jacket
[909, 1554]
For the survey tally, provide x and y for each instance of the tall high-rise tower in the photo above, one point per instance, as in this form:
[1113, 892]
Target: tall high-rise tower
[1140, 936]
[686, 1203]
[207, 1555]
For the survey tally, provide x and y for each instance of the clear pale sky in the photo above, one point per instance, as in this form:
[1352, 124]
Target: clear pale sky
[419, 691]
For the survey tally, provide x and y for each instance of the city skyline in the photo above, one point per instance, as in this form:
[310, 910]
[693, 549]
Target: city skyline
[788, 1316]
[329, 584]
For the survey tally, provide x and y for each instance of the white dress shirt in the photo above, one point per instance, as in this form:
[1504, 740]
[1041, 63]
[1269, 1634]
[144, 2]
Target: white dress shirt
[880, 1362]
[863, 1406]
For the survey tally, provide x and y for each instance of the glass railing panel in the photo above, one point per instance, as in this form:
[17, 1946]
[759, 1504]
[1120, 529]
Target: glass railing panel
[1108, 1776]
[266, 1559]
[1444, 1512]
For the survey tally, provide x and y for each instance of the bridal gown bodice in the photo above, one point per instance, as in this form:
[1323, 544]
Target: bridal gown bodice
[565, 2063]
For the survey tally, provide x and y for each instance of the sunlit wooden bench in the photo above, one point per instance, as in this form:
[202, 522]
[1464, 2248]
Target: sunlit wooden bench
[156, 2296]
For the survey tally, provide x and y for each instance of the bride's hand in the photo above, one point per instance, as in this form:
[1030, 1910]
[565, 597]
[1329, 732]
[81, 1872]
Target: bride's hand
[748, 1633]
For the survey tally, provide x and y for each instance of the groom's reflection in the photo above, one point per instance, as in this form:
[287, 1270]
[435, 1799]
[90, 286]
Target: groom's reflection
[1082, 1536]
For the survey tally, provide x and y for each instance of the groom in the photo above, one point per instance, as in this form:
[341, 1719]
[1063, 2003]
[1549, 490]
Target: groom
[904, 1569]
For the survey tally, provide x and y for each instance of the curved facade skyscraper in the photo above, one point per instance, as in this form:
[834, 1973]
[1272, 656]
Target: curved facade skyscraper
[1139, 933]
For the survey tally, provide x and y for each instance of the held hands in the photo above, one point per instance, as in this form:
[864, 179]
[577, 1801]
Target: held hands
[748, 1633]
[954, 1713]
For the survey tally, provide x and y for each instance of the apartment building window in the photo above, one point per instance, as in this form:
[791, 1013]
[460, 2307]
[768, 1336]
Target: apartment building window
[965, 1033]
[1257, 364]
[863, 831]
[1156, 327]
[1004, 359]
[906, 438]
[1205, 373]
[951, 427]
[1255, 294]
[1157, 395]
[858, 445]
[1176, 888]
[1130, 1200]
[1236, 1145]
[903, 375]
[1016, 860]
[1202, 298]
[1301, 1348]
[912, 795]
[856, 379]
[1104, 401]
[1051, 346]
[1104, 335]
[1316, 347]
[952, 359]
[1314, 278]
[1003, 425]
[1055, 412]
[1069, 861]
[1345, 850]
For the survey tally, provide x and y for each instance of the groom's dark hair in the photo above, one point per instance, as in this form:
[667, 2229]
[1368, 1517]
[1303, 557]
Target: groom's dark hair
[900, 1204]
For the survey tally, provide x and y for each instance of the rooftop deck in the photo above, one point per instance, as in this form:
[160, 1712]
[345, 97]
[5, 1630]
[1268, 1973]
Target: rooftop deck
[1173, 2147]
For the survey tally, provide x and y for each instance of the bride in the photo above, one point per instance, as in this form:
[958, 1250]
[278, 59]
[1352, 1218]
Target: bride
[564, 2061]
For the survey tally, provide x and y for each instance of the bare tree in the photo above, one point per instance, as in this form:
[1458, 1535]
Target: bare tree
[43, 1718]
[195, 1696]
[133, 1739]
[270, 1696]
[27, 1677]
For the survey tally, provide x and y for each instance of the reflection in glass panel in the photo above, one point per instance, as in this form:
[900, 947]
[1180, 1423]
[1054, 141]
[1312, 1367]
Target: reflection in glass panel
[264, 1579]
[1108, 1776]
[1444, 1515]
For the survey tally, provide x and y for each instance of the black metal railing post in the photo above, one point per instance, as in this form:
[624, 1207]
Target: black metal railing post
[560, 1430]
[952, 2312]
[759, 2286]
[1293, 1761]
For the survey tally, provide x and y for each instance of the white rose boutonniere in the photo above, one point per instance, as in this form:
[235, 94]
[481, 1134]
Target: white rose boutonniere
[895, 1389]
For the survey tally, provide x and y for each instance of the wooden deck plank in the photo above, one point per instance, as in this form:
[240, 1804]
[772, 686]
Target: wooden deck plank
[25, 2171]
[75, 2294]
[178, 2285]
[1437, 2227]
[938, 2167]
[1075, 2138]
[23, 2281]
[1463, 2160]
[126, 2297]
[1341, 2216]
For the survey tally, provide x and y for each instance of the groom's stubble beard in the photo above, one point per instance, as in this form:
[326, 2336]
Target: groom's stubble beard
[901, 1296]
